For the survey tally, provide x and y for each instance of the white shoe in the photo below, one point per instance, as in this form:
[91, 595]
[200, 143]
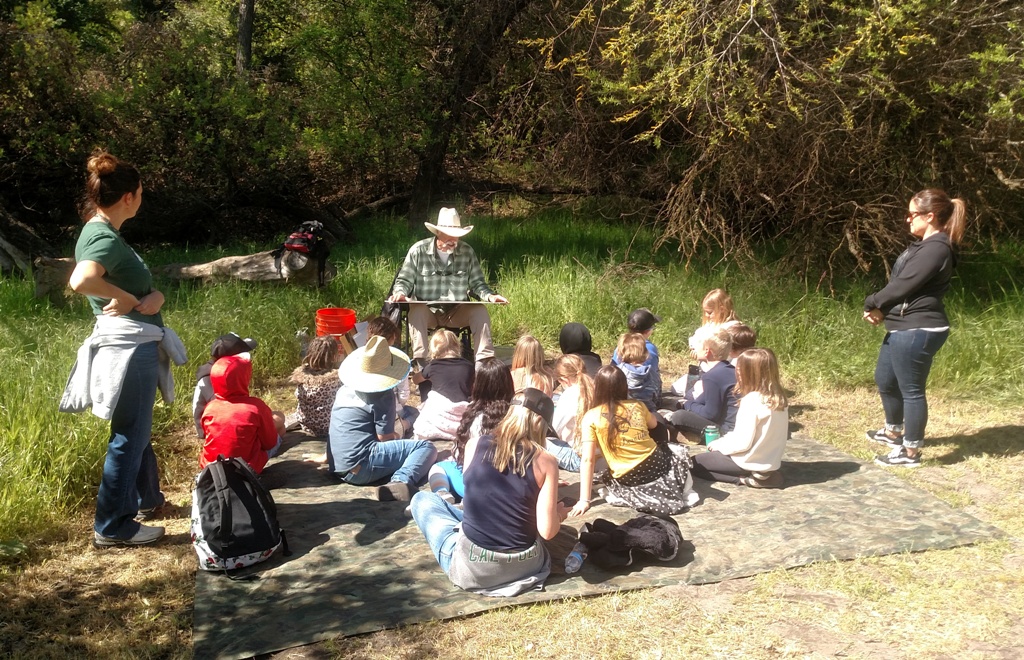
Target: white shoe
[146, 534]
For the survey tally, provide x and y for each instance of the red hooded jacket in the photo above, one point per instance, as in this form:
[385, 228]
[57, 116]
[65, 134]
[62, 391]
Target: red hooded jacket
[236, 424]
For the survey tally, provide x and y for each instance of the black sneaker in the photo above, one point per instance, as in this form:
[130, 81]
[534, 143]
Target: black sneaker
[898, 457]
[884, 436]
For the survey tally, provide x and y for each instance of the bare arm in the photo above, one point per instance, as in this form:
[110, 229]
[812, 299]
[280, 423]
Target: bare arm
[586, 478]
[87, 279]
[550, 512]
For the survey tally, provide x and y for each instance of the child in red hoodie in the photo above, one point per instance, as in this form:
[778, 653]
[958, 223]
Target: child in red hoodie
[236, 424]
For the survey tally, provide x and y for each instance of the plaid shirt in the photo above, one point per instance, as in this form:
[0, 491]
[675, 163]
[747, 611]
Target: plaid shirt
[425, 277]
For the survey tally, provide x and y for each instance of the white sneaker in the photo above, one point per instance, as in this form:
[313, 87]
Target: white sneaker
[146, 534]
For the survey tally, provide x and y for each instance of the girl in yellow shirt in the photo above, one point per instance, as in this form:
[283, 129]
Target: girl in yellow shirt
[642, 474]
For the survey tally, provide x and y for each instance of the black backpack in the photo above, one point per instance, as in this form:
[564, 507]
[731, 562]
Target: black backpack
[234, 518]
[309, 238]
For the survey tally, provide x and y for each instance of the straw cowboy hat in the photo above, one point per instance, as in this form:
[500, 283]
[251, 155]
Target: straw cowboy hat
[448, 223]
[375, 367]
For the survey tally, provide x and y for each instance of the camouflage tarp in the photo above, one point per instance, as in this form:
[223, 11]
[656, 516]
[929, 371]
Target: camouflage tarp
[359, 565]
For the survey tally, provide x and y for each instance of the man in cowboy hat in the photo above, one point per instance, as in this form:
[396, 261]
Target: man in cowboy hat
[363, 448]
[445, 268]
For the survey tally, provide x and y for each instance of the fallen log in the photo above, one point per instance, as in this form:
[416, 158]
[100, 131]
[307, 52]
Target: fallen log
[293, 268]
[51, 275]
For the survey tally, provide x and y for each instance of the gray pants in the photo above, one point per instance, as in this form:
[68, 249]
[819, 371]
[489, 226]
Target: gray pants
[421, 320]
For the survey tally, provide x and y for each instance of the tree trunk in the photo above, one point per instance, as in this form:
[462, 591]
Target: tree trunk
[475, 36]
[246, 14]
[51, 275]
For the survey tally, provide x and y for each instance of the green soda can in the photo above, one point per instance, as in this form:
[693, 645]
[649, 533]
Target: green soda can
[710, 433]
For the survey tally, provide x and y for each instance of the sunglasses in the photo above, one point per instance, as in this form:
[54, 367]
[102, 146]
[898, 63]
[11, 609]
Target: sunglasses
[913, 214]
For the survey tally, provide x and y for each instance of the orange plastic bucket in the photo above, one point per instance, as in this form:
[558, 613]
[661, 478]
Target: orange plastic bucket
[334, 320]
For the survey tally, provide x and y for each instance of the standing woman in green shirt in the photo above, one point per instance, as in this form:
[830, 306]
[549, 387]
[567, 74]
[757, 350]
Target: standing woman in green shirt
[122, 355]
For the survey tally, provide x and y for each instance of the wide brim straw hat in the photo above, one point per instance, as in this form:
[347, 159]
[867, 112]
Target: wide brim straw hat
[375, 367]
[448, 223]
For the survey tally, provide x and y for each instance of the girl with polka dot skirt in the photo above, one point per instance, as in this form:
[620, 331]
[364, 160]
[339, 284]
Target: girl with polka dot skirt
[651, 477]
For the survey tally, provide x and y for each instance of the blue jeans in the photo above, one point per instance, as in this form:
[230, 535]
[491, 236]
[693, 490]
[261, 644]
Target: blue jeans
[130, 477]
[568, 460]
[901, 374]
[437, 520]
[407, 461]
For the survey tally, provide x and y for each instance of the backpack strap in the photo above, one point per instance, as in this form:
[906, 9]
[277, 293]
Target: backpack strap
[220, 484]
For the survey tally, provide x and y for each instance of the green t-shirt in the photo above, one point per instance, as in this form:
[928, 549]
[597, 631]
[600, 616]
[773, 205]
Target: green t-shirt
[101, 243]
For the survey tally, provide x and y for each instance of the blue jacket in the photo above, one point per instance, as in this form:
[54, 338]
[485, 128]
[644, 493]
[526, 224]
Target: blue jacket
[717, 402]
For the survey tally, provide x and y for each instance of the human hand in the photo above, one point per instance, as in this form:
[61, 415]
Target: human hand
[398, 297]
[874, 316]
[150, 303]
[120, 306]
[579, 509]
[561, 510]
[501, 300]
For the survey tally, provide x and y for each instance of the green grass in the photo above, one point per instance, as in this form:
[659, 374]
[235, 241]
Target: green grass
[555, 267]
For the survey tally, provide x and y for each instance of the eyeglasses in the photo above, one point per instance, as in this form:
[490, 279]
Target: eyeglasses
[913, 214]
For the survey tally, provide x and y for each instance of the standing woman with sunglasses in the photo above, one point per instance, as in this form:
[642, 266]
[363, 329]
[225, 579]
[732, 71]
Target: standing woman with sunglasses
[915, 321]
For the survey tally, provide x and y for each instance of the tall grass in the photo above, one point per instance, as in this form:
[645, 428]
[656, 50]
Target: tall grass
[555, 267]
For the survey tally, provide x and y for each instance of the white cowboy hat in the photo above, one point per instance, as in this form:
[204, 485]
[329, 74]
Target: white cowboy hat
[448, 223]
[375, 367]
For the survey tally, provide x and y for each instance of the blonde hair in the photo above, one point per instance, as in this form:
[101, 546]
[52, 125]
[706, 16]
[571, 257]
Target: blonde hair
[720, 304]
[632, 348]
[538, 381]
[517, 440]
[719, 342]
[529, 354]
[322, 353]
[444, 344]
[571, 368]
[757, 370]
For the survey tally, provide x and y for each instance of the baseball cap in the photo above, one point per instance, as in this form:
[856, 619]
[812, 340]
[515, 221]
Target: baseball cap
[231, 344]
[536, 401]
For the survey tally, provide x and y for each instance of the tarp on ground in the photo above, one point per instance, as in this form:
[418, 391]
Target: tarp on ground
[359, 565]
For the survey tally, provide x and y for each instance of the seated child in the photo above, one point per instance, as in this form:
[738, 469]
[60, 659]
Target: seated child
[632, 357]
[642, 321]
[492, 392]
[448, 378]
[751, 453]
[363, 412]
[223, 346]
[574, 339]
[316, 384]
[743, 337]
[382, 326]
[716, 311]
[647, 475]
[495, 544]
[577, 394]
[528, 360]
[712, 400]
[237, 425]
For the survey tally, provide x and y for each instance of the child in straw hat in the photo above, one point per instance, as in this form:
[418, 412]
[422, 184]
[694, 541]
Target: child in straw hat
[363, 448]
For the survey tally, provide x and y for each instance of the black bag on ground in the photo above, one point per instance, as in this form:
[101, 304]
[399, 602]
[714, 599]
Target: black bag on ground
[234, 518]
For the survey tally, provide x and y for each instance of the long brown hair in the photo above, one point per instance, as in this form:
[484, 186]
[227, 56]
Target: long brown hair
[951, 213]
[492, 392]
[757, 370]
[610, 389]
